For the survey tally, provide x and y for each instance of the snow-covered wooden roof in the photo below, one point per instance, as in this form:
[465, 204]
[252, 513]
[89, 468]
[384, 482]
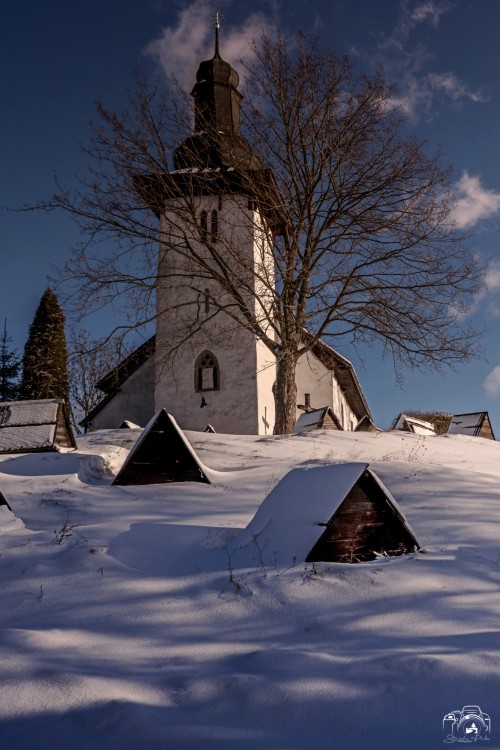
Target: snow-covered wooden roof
[469, 424]
[27, 426]
[366, 425]
[410, 424]
[314, 420]
[293, 517]
[161, 453]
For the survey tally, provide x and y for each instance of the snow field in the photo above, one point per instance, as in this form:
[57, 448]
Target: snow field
[129, 621]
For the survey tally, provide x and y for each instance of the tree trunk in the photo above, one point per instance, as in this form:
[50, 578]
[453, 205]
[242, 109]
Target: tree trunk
[285, 394]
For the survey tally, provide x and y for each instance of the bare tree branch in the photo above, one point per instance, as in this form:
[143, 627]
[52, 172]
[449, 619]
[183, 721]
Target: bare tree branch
[354, 219]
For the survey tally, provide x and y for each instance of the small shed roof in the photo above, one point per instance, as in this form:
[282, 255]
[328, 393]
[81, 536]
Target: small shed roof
[161, 454]
[315, 420]
[38, 425]
[469, 424]
[410, 424]
[128, 425]
[293, 517]
[366, 425]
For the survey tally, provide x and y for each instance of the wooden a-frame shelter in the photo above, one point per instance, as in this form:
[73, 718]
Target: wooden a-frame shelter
[161, 454]
[335, 513]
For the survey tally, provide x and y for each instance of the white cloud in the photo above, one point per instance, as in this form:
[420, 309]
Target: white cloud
[492, 277]
[450, 85]
[487, 298]
[407, 60]
[429, 11]
[474, 203]
[181, 47]
[418, 91]
[413, 14]
[415, 97]
[492, 382]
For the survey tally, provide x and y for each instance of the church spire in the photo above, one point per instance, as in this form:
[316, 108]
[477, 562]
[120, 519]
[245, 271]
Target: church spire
[217, 141]
[217, 100]
[217, 27]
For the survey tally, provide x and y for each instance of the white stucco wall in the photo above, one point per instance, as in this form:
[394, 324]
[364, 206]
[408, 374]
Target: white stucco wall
[134, 401]
[244, 403]
[314, 378]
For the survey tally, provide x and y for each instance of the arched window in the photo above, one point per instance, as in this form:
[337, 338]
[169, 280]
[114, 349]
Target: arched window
[214, 227]
[207, 301]
[206, 372]
[204, 225]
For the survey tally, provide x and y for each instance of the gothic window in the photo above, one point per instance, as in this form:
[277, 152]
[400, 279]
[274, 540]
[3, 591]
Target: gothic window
[204, 225]
[207, 301]
[206, 372]
[214, 226]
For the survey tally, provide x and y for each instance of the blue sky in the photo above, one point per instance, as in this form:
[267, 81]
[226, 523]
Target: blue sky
[56, 58]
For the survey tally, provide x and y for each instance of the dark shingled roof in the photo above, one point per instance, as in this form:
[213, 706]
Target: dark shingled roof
[111, 383]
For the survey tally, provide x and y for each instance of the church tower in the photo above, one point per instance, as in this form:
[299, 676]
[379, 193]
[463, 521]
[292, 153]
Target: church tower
[209, 369]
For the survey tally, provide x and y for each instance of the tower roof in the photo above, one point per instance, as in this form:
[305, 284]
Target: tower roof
[217, 140]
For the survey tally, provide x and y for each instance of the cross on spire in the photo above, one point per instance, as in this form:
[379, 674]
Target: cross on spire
[217, 27]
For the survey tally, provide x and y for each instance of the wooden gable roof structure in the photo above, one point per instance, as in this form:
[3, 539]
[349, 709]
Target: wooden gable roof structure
[405, 423]
[334, 513]
[366, 425]
[38, 425]
[128, 425]
[475, 424]
[317, 419]
[161, 454]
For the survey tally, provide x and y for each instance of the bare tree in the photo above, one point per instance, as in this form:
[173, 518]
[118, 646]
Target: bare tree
[356, 217]
[89, 360]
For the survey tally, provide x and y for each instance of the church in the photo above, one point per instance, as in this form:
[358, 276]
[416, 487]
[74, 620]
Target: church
[201, 366]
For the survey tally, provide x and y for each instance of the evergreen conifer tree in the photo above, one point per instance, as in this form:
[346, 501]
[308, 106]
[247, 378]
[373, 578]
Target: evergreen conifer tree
[10, 366]
[45, 359]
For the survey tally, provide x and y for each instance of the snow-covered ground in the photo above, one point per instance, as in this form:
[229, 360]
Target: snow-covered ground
[127, 621]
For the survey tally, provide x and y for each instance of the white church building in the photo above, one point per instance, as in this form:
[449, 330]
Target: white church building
[200, 366]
